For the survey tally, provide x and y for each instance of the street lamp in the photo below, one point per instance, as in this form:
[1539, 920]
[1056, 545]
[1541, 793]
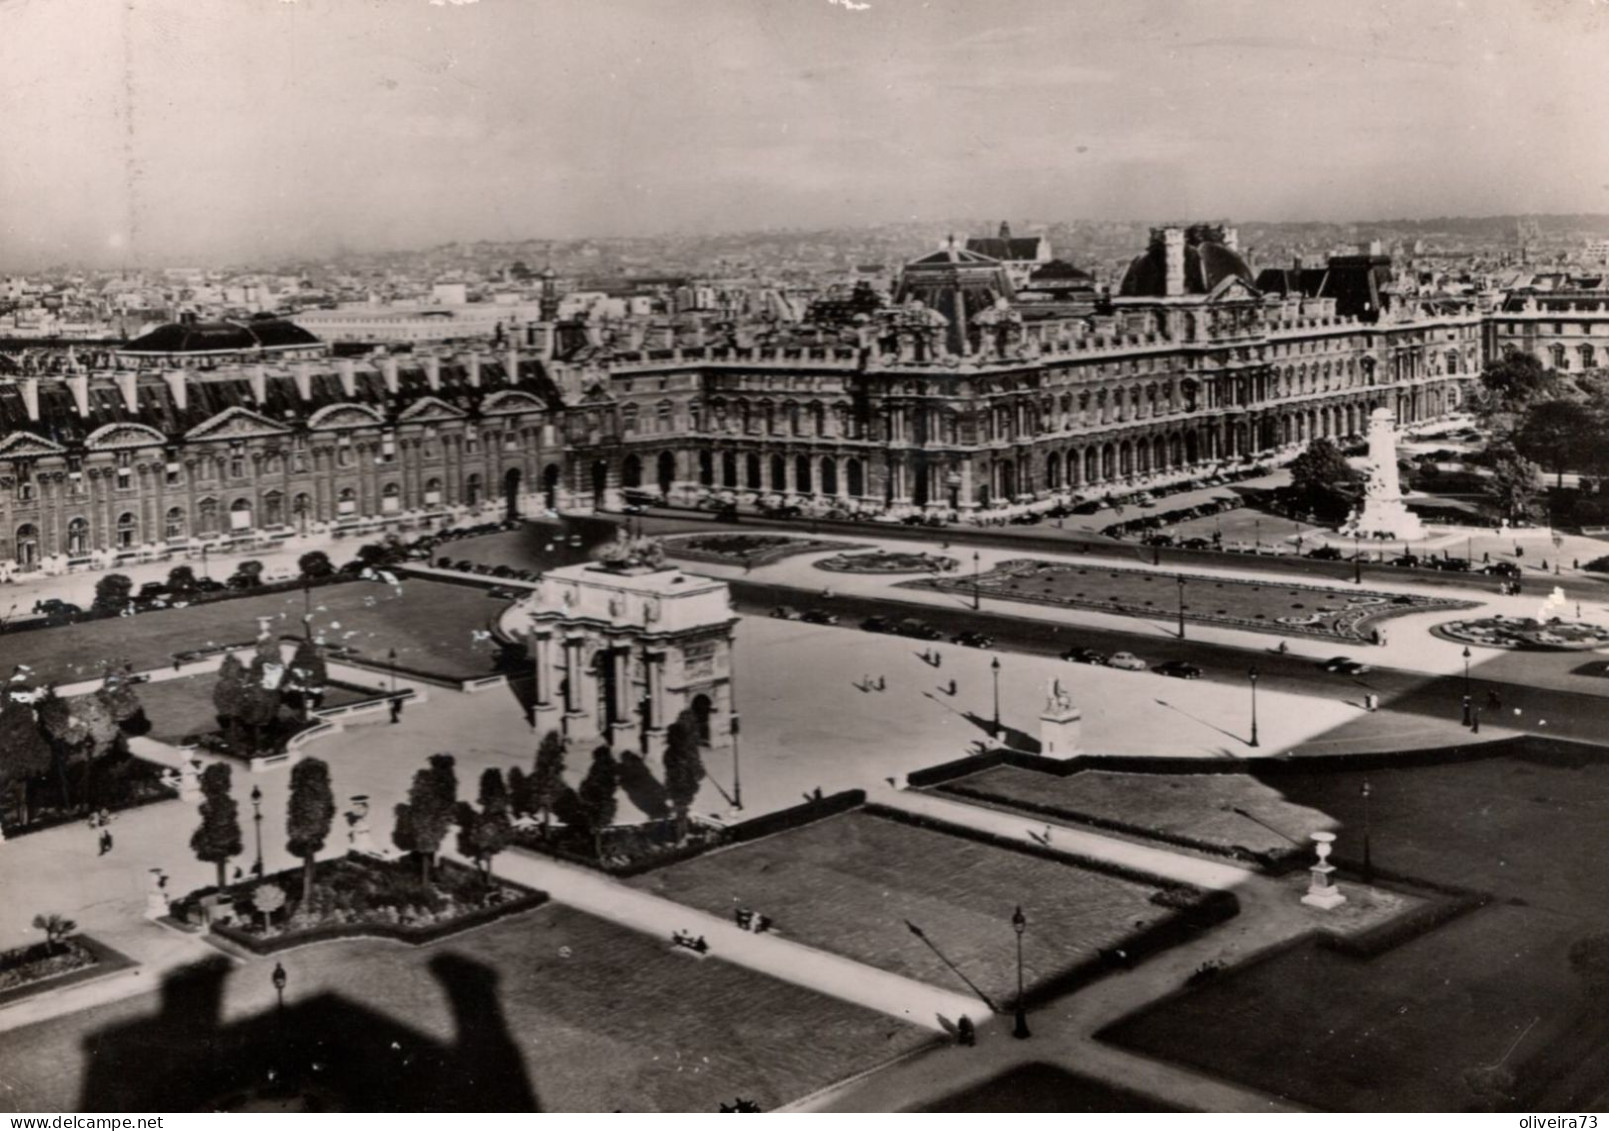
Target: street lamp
[737, 781]
[1252, 676]
[1019, 924]
[1357, 558]
[307, 606]
[1180, 580]
[977, 595]
[1368, 862]
[257, 821]
[994, 666]
[279, 978]
[392, 657]
[1467, 700]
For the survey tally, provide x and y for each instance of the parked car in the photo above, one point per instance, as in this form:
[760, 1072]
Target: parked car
[1503, 569]
[1449, 565]
[1197, 544]
[1178, 669]
[877, 624]
[785, 612]
[974, 640]
[1127, 661]
[818, 616]
[1084, 656]
[917, 629]
[1325, 554]
[1409, 560]
[56, 609]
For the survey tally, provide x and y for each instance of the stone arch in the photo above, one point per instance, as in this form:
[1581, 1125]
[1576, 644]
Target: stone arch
[751, 472]
[666, 472]
[802, 478]
[631, 471]
[829, 475]
[779, 473]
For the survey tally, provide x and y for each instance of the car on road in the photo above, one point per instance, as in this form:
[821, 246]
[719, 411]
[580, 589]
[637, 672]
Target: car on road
[973, 640]
[1178, 669]
[1325, 554]
[1127, 661]
[877, 624]
[1084, 656]
[56, 609]
[1344, 665]
[1196, 544]
[818, 616]
[1503, 569]
[917, 629]
[1450, 565]
[785, 612]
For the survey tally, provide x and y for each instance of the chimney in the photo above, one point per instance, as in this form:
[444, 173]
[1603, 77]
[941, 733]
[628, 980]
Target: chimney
[258, 376]
[513, 364]
[79, 384]
[472, 367]
[30, 396]
[178, 388]
[433, 372]
[388, 371]
[302, 374]
[542, 340]
[1173, 258]
[346, 370]
[125, 385]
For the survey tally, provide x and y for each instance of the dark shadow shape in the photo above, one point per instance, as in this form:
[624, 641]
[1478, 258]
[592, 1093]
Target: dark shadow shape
[640, 786]
[1043, 1088]
[1010, 735]
[1227, 734]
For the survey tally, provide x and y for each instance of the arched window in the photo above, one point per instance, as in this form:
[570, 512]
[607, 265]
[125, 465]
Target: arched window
[27, 545]
[240, 514]
[207, 516]
[801, 474]
[77, 538]
[751, 469]
[472, 492]
[173, 524]
[432, 492]
[706, 469]
[237, 465]
[127, 530]
[302, 508]
[390, 499]
[274, 509]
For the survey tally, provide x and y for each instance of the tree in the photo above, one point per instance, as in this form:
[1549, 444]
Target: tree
[57, 928]
[306, 678]
[315, 564]
[122, 702]
[1553, 433]
[519, 792]
[547, 779]
[229, 694]
[259, 703]
[1512, 382]
[494, 825]
[597, 796]
[309, 816]
[1320, 468]
[217, 839]
[182, 580]
[248, 575]
[1511, 490]
[267, 899]
[112, 593]
[79, 731]
[24, 753]
[684, 768]
[423, 820]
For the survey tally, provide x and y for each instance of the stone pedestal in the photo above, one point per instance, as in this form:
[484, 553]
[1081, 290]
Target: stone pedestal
[1383, 513]
[359, 835]
[1321, 890]
[190, 781]
[1060, 725]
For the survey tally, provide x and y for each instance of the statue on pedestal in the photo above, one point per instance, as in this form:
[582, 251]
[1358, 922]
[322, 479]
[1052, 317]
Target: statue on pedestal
[1321, 890]
[1382, 513]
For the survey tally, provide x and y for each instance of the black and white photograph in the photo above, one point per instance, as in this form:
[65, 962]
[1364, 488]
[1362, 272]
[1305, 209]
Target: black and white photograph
[817, 556]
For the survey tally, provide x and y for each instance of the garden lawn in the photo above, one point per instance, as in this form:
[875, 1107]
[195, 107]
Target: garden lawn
[1400, 1031]
[1197, 808]
[549, 1009]
[1340, 614]
[180, 711]
[431, 624]
[851, 884]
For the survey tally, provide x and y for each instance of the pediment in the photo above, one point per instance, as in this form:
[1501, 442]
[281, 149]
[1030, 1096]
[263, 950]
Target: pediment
[510, 401]
[25, 445]
[1233, 289]
[596, 394]
[113, 437]
[344, 415]
[235, 424]
[429, 410]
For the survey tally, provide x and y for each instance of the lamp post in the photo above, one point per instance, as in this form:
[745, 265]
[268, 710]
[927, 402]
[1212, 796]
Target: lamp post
[1357, 558]
[1467, 700]
[279, 978]
[977, 595]
[1019, 924]
[1368, 861]
[307, 606]
[994, 666]
[1252, 676]
[257, 823]
[1257, 534]
[391, 656]
[1180, 580]
[737, 781]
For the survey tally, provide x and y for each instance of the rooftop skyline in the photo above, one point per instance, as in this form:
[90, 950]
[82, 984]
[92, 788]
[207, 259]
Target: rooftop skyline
[154, 131]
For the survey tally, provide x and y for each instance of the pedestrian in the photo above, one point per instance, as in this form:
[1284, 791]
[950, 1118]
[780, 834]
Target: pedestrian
[1519, 551]
[1047, 834]
[1575, 563]
[106, 841]
[1544, 565]
[882, 684]
[396, 711]
[952, 687]
[1486, 556]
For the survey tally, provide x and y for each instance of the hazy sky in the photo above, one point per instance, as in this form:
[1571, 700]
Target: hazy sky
[165, 130]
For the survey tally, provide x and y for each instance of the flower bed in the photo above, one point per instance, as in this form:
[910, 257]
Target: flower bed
[38, 968]
[357, 896]
[744, 549]
[1525, 634]
[888, 561]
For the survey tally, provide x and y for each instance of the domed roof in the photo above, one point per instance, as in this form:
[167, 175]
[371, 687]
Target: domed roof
[223, 337]
[1207, 262]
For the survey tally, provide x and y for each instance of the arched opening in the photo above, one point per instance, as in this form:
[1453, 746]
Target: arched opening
[856, 478]
[667, 472]
[274, 509]
[1108, 462]
[779, 474]
[829, 475]
[127, 531]
[729, 470]
[28, 546]
[631, 471]
[1159, 454]
[472, 490]
[600, 481]
[77, 538]
[1007, 472]
[702, 709]
[550, 486]
[1053, 471]
[207, 517]
[752, 472]
[802, 477]
[511, 493]
[706, 469]
[1092, 466]
[240, 515]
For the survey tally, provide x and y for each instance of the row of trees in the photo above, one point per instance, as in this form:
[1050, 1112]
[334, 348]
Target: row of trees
[1540, 420]
[43, 736]
[247, 699]
[310, 814]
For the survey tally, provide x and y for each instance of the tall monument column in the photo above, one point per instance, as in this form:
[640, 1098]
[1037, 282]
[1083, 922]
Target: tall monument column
[1383, 514]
